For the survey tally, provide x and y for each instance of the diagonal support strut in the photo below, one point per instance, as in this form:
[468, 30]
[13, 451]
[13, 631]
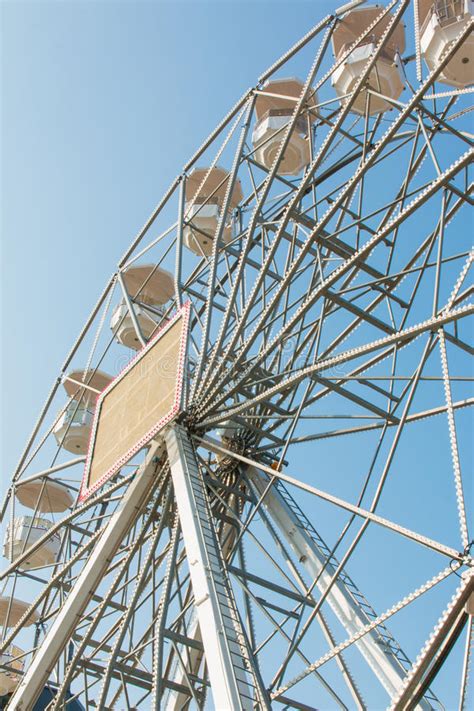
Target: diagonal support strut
[234, 677]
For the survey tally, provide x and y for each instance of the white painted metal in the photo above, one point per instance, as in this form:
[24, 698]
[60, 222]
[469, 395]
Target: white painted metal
[175, 700]
[348, 7]
[231, 670]
[198, 235]
[385, 665]
[60, 631]
[43, 494]
[385, 78]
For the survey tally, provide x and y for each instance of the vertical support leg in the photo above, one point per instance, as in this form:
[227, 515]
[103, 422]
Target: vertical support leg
[234, 679]
[176, 700]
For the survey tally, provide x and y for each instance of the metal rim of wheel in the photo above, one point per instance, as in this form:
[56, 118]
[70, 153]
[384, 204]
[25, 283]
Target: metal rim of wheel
[299, 536]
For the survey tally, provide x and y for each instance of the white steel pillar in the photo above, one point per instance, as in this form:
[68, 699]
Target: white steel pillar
[235, 682]
[175, 700]
[297, 533]
[60, 632]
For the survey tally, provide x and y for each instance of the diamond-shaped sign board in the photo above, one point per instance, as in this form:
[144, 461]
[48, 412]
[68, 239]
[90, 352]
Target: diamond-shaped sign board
[138, 403]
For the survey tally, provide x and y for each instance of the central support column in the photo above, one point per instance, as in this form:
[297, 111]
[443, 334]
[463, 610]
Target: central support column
[234, 679]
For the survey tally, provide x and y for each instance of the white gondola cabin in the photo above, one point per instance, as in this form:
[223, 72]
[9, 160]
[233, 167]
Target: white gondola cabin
[152, 287]
[23, 533]
[73, 428]
[205, 195]
[274, 109]
[385, 78]
[12, 609]
[44, 495]
[441, 21]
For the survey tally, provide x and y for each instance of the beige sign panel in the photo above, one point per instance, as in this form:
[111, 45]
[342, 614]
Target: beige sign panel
[137, 404]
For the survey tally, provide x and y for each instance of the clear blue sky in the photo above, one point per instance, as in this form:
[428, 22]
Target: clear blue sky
[102, 104]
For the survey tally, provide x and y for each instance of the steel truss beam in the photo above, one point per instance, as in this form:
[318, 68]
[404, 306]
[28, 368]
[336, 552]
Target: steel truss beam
[449, 552]
[334, 276]
[298, 194]
[234, 678]
[397, 338]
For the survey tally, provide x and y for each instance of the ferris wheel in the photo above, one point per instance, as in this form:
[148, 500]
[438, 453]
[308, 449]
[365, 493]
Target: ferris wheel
[250, 486]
